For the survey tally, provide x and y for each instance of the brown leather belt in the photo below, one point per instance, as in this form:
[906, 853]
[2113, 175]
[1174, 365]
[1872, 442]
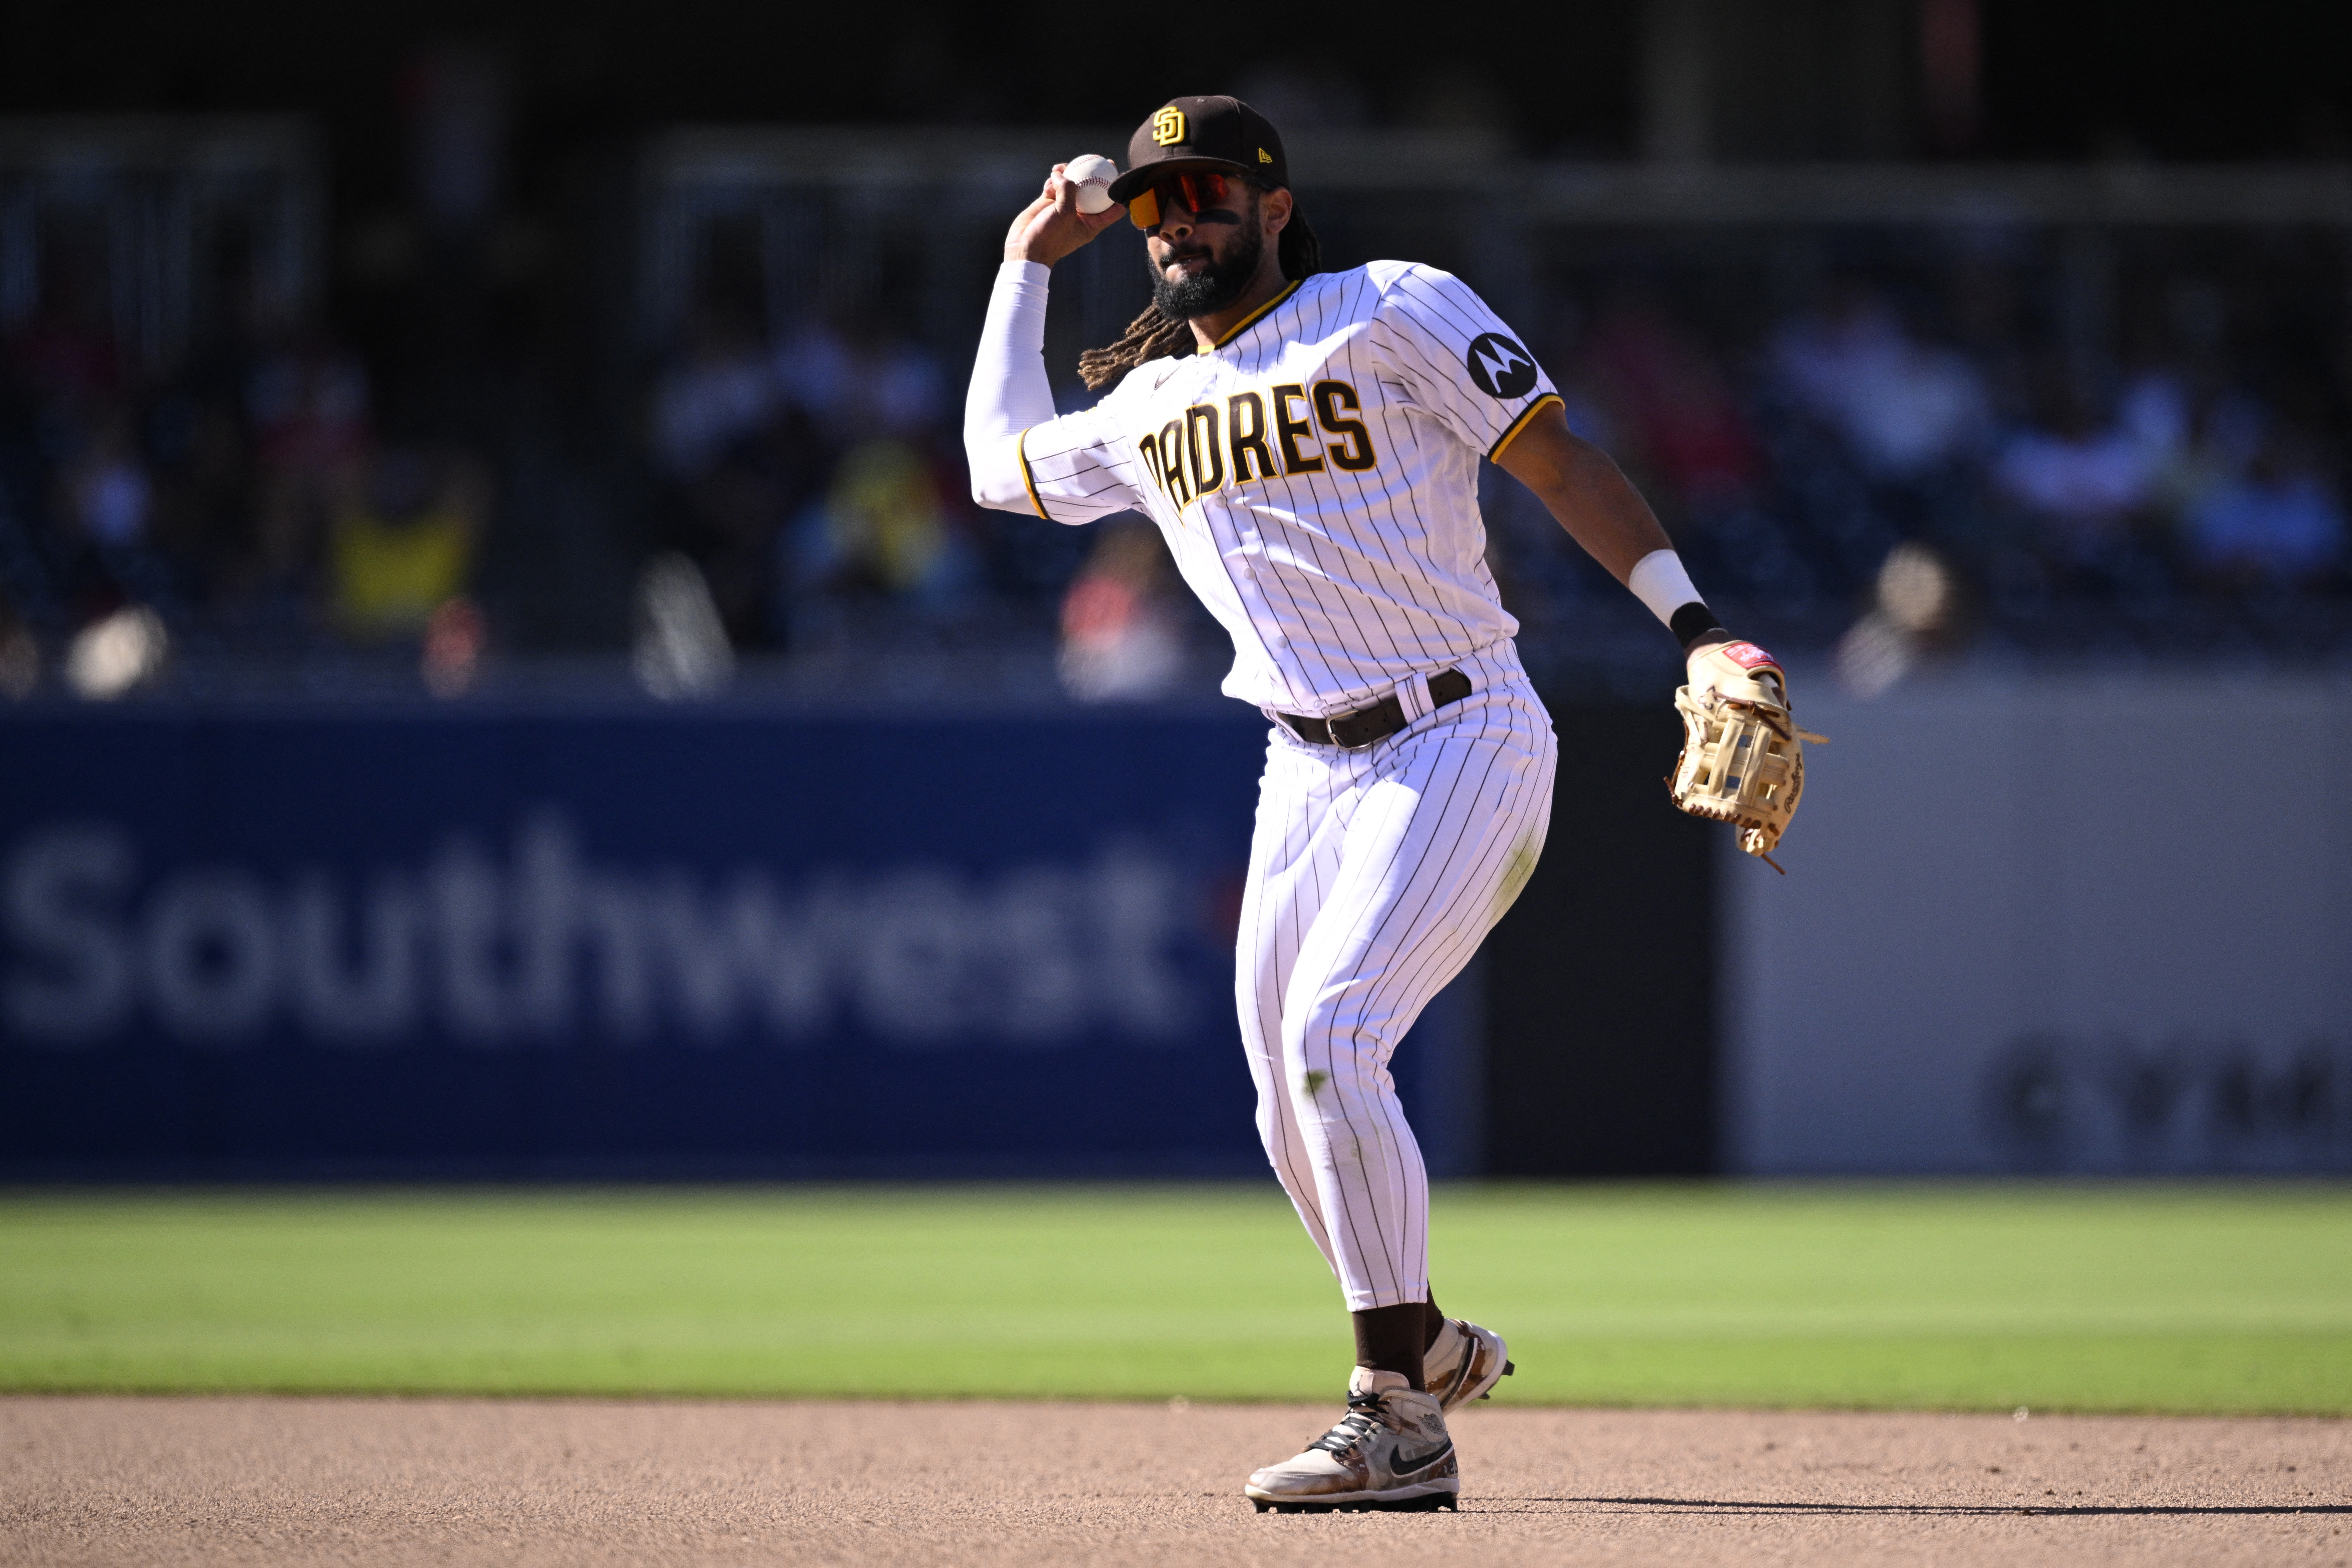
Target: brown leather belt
[1370, 726]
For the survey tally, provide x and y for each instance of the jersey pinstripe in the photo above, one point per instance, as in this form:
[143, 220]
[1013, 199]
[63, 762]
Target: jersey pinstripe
[1315, 476]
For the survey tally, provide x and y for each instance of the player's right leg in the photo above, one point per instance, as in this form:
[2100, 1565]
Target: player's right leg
[1295, 854]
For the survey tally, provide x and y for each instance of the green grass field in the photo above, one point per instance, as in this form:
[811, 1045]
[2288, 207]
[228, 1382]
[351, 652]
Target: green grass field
[2225, 1297]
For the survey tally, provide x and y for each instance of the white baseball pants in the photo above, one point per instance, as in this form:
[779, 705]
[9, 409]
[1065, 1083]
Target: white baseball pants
[1373, 876]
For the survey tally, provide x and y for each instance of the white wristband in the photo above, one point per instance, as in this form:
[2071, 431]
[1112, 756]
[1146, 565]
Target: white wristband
[1659, 581]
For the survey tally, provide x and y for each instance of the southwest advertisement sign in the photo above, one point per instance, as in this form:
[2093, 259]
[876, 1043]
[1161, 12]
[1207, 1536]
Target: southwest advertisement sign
[482, 944]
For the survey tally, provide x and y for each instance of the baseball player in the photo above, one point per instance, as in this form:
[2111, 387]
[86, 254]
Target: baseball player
[1309, 443]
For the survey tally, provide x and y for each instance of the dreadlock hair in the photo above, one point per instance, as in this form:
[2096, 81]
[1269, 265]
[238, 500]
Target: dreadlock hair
[1149, 336]
[1152, 335]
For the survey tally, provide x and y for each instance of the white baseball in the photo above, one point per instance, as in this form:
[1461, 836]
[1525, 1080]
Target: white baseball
[1092, 173]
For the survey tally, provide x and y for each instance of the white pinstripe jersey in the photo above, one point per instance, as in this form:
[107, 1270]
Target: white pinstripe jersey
[1315, 475]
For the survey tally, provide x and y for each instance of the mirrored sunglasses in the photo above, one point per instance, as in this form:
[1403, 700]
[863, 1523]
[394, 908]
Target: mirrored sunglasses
[1195, 193]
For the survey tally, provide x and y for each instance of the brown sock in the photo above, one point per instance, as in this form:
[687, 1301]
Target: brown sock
[1436, 1320]
[1394, 1339]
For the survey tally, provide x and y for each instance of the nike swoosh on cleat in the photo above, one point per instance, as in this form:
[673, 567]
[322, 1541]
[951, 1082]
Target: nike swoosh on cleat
[1400, 1466]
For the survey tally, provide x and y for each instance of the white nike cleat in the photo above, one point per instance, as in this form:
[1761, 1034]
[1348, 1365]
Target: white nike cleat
[1390, 1451]
[1465, 1363]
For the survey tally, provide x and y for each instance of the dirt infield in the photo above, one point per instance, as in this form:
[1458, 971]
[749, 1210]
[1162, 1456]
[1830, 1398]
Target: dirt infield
[216, 1481]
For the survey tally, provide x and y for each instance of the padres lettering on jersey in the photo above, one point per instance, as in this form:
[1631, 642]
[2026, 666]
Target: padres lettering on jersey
[1187, 458]
[1315, 475]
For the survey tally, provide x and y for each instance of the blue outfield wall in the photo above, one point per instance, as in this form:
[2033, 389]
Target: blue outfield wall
[459, 944]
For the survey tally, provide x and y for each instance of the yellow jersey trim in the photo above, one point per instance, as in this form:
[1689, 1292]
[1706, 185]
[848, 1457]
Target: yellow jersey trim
[1255, 317]
[1511, 435]
[1028, 479]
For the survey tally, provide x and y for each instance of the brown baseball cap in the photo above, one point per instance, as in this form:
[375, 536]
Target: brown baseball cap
[1189, 134]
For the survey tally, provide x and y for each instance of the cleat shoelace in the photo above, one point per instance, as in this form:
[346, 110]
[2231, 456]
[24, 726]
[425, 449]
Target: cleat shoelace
[1363, 1419]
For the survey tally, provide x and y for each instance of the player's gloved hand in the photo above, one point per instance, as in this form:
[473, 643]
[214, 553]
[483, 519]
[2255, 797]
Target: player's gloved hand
[1732, 667]
[1743, 757]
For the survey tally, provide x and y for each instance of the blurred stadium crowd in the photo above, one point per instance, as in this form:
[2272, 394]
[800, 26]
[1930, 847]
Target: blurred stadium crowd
[2180, 492]
[2157, 470]
[238, 497]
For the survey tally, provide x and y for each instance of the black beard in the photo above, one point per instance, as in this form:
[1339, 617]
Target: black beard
[1213, 288]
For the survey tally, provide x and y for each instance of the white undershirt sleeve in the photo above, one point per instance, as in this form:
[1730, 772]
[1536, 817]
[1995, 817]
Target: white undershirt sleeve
[1010, 390]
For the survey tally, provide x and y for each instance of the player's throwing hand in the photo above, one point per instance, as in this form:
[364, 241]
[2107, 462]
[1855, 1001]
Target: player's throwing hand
[1052, 226]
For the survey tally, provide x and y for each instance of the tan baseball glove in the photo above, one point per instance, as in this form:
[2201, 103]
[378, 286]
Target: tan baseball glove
[1743, 757]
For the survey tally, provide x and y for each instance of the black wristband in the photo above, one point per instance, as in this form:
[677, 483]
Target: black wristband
[1692, 622]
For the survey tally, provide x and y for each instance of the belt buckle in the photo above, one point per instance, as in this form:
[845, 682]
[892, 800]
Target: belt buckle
[1331, 728]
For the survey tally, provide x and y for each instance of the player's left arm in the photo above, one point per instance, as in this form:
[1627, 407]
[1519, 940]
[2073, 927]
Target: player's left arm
[1602, 511]
[1586, 491]
[1457, 359]
[1743, 758]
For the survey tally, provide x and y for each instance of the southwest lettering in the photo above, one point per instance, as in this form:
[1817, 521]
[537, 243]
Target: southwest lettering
[545, 945]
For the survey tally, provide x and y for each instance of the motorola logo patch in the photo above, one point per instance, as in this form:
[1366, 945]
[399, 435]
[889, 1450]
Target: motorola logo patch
[1500, 367]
